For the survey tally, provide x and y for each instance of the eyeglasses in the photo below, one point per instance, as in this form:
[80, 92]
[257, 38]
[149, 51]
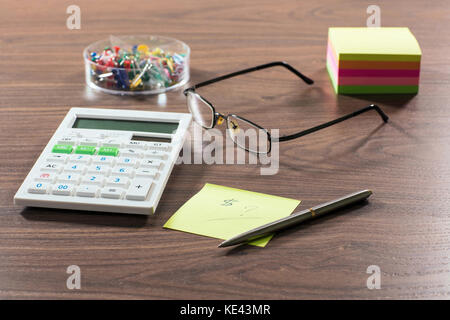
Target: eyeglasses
[245, 133]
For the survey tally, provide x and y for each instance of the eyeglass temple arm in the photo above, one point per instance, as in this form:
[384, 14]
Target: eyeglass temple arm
[330, 123]
[260, 67]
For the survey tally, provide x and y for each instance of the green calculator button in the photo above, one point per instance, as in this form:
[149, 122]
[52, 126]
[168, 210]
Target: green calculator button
[85, 150]
[62, 148]
[108, 151]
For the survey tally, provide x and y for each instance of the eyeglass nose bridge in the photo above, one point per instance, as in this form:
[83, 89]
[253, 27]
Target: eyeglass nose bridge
[220, 118]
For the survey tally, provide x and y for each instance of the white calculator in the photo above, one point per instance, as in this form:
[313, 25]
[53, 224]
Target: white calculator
[106, 160]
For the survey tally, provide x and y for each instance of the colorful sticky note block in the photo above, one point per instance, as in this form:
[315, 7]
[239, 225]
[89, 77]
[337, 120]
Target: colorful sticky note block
[373, 60]
[223, 212]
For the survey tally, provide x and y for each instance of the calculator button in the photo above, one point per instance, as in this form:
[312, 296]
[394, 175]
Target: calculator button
[156, 154]
[92, 135]
[38, 187]
[69, 178]
[103, 160]
[126, 161]
[99, 169]
[89, 142]
[158, 146]
[57, 158]
[85, 150]
[75, 168]
[80, 158]
[139, 189]
[122, 171]
[118, 181]
[112, 143]
[46, 177]
[62, 189]
[132, 153]
[96, 179]
[136, 144]
[108, 151]
[51, 166]
[67, 140]
[62, 148]
[151, 163]
[87, 191]
[146, 173]
[112, 193]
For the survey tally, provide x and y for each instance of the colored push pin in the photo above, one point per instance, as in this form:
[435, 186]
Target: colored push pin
[142, 48]
[138, 79]
[169, 64]
[121, 77]
[127, 64]
[102, 76]
[157, 52]
[138, 67]
[94, 56]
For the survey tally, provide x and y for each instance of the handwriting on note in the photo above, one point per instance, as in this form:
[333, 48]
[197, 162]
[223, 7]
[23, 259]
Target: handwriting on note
[222, 212]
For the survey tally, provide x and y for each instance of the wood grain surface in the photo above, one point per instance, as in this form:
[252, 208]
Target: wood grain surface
[404, 228]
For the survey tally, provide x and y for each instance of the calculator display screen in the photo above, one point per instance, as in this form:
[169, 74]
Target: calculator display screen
[125, 125]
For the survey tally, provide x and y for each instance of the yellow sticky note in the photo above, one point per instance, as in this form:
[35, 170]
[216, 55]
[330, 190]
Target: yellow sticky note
[223, 212]
[374, 44]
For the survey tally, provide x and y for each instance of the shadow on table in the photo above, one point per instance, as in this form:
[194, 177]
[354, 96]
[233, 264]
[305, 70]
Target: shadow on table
[294, 231]
[87, 217]
[392, 100]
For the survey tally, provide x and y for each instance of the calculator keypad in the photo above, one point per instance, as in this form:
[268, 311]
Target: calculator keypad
[63, 189]
[112, 193]
[139, 189]
[52, 166]
[38, 187]
[69, 178]
[80, 158]
[62, 158]
[106, 168]
[96, 179]
[46, 177]
[103, 160]
[87, 191]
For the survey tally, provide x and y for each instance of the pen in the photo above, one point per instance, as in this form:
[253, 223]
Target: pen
[297, 218]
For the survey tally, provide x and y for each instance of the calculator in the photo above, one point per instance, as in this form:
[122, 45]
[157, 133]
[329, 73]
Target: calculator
[106, 160]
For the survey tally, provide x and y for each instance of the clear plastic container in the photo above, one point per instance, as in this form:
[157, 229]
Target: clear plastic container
[134, 65]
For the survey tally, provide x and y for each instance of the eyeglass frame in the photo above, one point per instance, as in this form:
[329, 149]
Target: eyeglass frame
[217, 115]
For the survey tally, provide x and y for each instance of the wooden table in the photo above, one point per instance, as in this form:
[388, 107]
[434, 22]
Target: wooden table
[404, 229]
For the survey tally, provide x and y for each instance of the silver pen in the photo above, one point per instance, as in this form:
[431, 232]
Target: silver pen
[296, 218]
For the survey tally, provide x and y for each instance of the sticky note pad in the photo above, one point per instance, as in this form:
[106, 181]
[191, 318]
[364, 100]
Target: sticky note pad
[373, 60]
[223, 212]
